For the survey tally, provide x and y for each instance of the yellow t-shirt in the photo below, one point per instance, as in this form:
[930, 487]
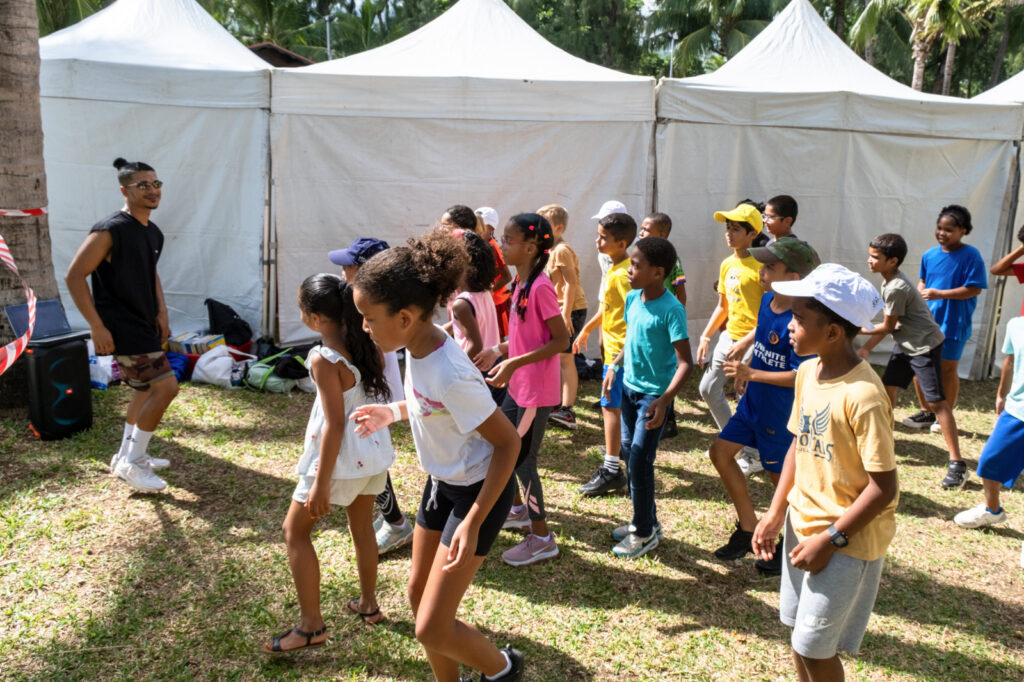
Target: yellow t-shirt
[562, 256]
[843, 430]
[613, 309]
[738, 279]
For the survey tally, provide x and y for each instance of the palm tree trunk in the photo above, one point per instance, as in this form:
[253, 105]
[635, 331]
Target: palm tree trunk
[947, 70]
[1004, 41]
[22, 177]
[869, 52]
[840, 10]
[920, 47]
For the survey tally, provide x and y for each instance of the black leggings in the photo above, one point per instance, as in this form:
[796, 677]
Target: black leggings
[387, 502]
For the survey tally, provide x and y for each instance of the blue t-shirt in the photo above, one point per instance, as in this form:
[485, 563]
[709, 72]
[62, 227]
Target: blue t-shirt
[949, 270]
[772, 404]
[651, 329]
[1014, 345]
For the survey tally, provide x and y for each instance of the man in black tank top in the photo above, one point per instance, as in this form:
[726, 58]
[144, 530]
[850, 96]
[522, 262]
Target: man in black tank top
[127, 315]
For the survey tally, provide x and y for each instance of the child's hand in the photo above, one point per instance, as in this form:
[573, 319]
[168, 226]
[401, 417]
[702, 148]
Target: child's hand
[736, 369]
[486, 358]
[702, 353]
[863, 352]
[463, 546]
[813, 554]
[1000, 404]
[501, 373]
[568, 323]
[765, 534]
[930, 294]
[738, 350]
[371, 418]
[580, 344]
[607, 383]
[655, 413]
[318, 504]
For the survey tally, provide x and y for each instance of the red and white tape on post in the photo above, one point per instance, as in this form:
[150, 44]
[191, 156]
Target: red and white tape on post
[10, 352]
[23, 212]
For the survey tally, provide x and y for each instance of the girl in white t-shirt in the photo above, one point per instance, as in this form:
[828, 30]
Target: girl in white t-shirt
[462, 439]
[336, 467]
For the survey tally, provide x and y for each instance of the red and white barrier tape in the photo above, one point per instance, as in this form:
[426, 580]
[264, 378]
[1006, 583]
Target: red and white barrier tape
[10, 352]
[23, 213]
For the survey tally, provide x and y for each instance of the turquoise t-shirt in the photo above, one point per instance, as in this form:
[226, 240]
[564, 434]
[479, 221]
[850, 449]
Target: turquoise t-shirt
[651, 329]
[1014, 345]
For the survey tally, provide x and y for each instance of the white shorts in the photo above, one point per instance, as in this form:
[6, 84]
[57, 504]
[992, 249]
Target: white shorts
[344, 491]
[828, 610]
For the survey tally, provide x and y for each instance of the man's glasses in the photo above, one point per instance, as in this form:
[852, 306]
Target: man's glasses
[156, 184]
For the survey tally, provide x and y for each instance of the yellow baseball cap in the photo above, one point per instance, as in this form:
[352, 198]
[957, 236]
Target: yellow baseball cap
[744, 213]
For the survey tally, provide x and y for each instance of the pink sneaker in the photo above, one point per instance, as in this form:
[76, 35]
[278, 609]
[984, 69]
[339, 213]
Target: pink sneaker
[520, 521]
[532, 550]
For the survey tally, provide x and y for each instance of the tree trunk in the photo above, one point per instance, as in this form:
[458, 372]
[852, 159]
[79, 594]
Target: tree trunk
[947, 70]
[840, 10]
[22, 178]
[1004, 42]
[919, 51]
[869, 52]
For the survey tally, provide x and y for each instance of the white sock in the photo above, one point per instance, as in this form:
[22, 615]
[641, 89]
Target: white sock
[125, 439]
[138, 444]
[504, 671]
[398, 526]
[518, 508]
[611, 462]
[546, 538]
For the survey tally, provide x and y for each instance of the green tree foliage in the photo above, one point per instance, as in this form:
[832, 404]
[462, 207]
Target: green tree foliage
[57, 14]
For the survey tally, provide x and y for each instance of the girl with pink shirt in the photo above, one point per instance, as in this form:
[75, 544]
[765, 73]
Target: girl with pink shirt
[536, 335]
[473, 321]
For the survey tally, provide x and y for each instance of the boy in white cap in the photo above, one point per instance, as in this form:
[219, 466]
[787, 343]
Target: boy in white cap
[839, 477]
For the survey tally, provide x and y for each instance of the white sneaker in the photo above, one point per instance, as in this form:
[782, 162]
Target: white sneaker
[935, 428]
[139, 476]
[977, 517]
[114, 462]
[748, 464]
[633, 546]
[158, 462]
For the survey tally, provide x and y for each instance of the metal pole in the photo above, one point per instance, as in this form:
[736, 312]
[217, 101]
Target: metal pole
[327, 24]
[672, 53]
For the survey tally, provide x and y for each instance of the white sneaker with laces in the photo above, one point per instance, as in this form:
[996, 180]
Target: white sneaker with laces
[978, 517]
[140, 476]
[935, 428]
[748, 464]
[158, 462]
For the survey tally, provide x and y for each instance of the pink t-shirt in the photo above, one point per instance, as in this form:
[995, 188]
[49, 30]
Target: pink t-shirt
[537, 384]
[486, 318]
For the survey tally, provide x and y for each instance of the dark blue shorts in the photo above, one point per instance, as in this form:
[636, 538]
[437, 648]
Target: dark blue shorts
[771, 440]
[1002, 458]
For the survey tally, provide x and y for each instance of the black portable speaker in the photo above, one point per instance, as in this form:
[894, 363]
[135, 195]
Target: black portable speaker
[60, 401]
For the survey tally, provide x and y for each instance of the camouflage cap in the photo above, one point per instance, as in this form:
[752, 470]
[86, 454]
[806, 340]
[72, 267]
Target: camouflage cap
[798, 255]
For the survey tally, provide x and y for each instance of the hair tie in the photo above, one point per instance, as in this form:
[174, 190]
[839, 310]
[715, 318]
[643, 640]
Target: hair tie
[531, 228]
[545, 251]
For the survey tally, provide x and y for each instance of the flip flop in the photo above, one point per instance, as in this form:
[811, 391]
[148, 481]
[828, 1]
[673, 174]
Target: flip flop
[275, 646]
[353, 606]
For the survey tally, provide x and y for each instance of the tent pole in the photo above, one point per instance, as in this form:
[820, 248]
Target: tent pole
[982, 367]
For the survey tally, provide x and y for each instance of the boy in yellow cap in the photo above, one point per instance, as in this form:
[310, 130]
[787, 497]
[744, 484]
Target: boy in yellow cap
[739, 299]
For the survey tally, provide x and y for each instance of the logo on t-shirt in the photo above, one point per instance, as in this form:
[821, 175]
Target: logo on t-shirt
[427, 406]
[812, 433]
[773, 338]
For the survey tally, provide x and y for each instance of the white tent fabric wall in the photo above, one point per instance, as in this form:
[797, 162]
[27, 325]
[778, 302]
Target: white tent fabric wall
[474, 108]
[160, 81]
[1010, 91]
[797, 112]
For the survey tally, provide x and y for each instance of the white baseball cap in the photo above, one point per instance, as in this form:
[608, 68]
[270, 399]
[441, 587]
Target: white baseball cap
[609, 207]
[488, 215]
[840, 289]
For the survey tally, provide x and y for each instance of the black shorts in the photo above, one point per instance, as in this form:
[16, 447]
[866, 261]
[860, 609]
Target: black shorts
[449, 506]
[579, 318]
[927, 367]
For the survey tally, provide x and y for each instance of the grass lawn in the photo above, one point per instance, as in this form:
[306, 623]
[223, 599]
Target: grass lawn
[99, 583]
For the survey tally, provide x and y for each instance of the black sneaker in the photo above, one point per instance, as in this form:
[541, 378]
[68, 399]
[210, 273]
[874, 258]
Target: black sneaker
[737, 547]
[671, 430]
[604, 482]
[956, 475]
[922, 419]
[564, 417]
[518, 663]
[773, 567]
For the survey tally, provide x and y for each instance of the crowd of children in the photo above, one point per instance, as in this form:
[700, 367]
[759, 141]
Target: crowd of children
[479, 392]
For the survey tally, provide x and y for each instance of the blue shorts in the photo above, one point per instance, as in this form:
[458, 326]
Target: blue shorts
[953, 349]
[1002, 458]
[614, 397]
[772, 441]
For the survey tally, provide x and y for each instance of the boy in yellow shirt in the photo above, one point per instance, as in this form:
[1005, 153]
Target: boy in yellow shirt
[615, 232]
[739, 299]
[839, 478]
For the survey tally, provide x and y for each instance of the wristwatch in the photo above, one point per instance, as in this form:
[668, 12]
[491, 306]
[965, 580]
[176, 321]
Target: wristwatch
[839, 538]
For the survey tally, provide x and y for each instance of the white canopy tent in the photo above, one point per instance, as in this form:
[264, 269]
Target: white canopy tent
[797, 112]
[161, 81]
[473, 108]
[1010, 91]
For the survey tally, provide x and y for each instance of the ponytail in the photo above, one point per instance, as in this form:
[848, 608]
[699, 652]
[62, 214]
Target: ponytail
[534, 228]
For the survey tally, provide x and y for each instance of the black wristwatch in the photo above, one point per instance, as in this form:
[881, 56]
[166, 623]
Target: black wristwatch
[839, 538]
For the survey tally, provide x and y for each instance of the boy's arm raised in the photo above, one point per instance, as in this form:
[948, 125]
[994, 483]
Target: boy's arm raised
[1004, 266]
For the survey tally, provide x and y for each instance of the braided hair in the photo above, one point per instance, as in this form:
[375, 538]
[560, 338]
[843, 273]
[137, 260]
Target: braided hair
[959, 215]
[330, 296]
[534, 228]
